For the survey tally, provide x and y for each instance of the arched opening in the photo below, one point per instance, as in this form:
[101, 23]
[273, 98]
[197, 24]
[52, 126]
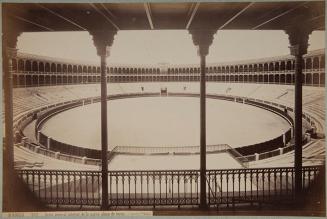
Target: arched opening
[260, 68]
[276, 80]
[20, 65]
[64, 79]
[282, 66]
[79, 69]
[41, 67]
[282, 79]
[308, 79]
[315, 78]
[289, 65]
[308, 63]
[316, 63]
[35, 66]
[47, 67]
[53, 80]
[41, 80]
[28, 80]
[75, 79]
[322, 62]
[28, 66]
[255, 78]
[34, 80]
[277, 66]
[265, 67]
[260, 78]
[70, 70]
[288, 79]
[15, 80]
[64, 69]
[59, 79]
[53, 67]
[271, 67]
[322, 79]
[14, 64]
[74, 69]
[47, 80]
[21, 80]
[70, 79]
[59, 68]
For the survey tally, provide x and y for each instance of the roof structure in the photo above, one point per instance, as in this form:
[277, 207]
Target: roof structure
[277, 15]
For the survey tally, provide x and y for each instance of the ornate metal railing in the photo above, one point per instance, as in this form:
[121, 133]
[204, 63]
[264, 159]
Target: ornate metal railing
[227, 187]
[169, 149]
[57, 187]
[259, 185]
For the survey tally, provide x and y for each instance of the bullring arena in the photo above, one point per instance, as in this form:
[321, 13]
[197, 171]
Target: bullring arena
[154, 151]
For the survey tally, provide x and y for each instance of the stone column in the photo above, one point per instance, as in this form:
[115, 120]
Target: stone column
[202, 39]
[102, 41]
[9, 52]
[298, 38]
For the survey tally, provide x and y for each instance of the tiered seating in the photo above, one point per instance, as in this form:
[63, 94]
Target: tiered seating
[25, 158]
[26, 99]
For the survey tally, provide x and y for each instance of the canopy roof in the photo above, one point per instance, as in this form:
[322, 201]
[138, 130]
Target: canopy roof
[31, 17]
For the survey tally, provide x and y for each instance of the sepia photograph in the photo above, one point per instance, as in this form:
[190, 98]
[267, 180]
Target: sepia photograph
[163, 108]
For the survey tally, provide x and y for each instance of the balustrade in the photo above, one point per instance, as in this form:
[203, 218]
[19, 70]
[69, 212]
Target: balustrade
[227, 187]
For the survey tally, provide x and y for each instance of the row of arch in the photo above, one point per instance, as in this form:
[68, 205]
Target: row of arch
[27, 65]
[287, 65]
[27, 80]
[22, 65]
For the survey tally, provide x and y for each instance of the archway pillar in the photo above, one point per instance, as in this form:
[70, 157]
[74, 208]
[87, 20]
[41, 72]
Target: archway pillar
[9, 52]
[203, 39]
[102, 41]
[298, 38]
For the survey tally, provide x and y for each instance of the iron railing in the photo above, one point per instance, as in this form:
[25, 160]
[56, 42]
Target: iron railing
[259, 185]
[227, 187]
[169, 149]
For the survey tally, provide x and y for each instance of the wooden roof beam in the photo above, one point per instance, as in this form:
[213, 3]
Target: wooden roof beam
[195, 9]
[62, 17]
[148, 14]
[236, 15]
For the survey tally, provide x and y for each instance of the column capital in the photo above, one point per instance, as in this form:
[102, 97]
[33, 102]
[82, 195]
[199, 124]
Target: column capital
[202, 39]
[10, 38]
[298, 38]
[102, 41]
[11, 52]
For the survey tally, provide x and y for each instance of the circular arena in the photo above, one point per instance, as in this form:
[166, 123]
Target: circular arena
[211, 136]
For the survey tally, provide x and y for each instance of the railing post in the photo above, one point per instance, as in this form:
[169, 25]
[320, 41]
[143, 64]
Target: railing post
[102, 41]
[48, 143]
